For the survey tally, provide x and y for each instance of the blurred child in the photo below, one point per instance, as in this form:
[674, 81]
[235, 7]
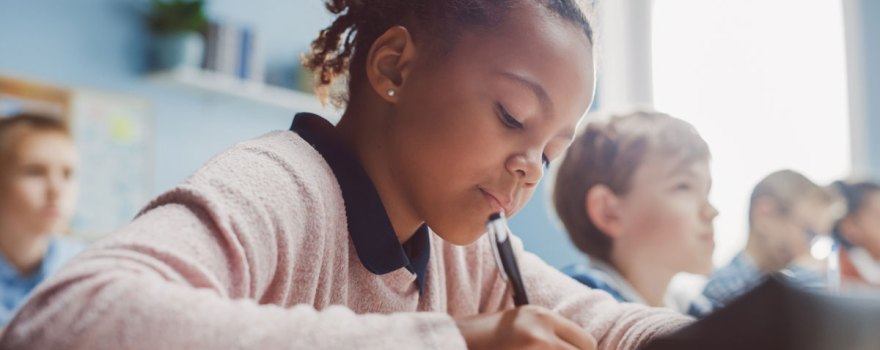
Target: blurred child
[368, 234]
[632, 193]
[786, 211]
[859, 231]
[37, 198]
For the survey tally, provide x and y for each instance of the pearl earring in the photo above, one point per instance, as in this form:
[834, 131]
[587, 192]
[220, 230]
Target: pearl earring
[391, 93]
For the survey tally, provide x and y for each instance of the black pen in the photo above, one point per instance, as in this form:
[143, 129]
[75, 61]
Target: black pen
[503, 250]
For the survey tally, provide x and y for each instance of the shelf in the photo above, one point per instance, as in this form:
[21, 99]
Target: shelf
[229, 86]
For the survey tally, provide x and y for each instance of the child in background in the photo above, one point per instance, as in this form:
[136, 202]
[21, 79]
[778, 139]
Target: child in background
[786, 211]
[37, 197]
[368, 234]
[859, 233]
[632, 193]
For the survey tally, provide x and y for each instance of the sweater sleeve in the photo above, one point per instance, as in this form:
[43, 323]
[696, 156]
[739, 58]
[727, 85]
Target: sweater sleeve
[192, 270]
[614, 325]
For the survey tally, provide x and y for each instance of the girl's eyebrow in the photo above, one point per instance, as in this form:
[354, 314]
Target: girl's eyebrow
[537, 89]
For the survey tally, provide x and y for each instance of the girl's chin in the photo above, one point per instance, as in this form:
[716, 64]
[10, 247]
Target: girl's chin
[461, 238]
[704, 269]
[55, 227]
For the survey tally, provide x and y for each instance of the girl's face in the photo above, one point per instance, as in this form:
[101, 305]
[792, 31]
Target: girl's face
[867, 223]
[667, 214]
[474, 128]
[38, 189]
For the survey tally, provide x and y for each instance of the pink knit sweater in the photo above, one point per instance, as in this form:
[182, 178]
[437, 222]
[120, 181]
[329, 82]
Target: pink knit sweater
[253, 252]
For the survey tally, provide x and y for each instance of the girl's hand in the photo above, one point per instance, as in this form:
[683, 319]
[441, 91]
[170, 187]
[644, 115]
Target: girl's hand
[525, 327]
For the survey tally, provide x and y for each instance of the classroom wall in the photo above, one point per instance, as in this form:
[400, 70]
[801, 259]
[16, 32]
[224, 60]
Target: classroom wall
[102, 44]
[870, 36]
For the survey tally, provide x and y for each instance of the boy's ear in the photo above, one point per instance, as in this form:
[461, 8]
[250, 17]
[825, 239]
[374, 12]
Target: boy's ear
[389, 62]
[603, 209]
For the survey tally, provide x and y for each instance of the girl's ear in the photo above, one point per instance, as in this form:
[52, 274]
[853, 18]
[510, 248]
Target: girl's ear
[389, 62]
[603, 209]
[850, 230]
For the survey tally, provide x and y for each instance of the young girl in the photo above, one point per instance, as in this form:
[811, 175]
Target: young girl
[632, 193]
[37, 197]
[859, 231]
[368, 234]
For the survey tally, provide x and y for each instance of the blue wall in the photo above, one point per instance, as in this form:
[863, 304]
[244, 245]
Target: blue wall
[870, 11]
[102, 44]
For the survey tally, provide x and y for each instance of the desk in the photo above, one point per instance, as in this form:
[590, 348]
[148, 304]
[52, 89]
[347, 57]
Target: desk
[777, 316]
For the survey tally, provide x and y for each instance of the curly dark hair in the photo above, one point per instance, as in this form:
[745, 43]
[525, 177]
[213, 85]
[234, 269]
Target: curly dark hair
[359, 23]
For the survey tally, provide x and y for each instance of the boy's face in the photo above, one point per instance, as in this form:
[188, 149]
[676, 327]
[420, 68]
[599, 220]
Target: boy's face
[472, 128]
[667, 216]
[38, 189]
[785, 236]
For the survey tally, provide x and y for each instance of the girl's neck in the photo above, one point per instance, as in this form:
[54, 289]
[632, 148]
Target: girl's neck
[25, 251]
[649, 279]
[364, 134]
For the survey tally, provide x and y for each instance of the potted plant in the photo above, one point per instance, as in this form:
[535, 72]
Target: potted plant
[177, 26]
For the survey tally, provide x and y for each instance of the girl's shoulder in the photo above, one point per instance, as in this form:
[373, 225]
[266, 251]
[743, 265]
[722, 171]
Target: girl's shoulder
[61, 250]
[275, 161]
[277, 178]
[282, 147]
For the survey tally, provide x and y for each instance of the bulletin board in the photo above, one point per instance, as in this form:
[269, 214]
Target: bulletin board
[114, 137]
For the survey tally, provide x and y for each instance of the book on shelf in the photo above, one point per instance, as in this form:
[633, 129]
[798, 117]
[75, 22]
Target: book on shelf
[234, 50]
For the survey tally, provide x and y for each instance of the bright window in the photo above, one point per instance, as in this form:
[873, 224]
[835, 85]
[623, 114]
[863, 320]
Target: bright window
[764, 81]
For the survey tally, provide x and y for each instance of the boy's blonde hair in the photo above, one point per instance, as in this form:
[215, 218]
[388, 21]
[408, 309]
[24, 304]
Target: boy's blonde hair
[609, 153]
[14, 129]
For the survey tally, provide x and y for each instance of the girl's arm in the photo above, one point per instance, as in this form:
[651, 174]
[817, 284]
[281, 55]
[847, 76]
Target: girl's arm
[614, 325]
[204, 267]
[131, 294]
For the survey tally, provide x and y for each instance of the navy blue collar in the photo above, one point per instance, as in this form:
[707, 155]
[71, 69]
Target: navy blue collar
[368, 223]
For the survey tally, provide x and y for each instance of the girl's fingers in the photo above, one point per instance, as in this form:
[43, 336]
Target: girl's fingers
[573, 334]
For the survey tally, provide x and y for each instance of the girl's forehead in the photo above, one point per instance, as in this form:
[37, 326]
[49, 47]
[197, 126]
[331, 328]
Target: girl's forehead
[550, 51]
[872, 201]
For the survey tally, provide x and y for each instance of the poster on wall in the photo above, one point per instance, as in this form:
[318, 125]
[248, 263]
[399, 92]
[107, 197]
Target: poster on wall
[114, 136]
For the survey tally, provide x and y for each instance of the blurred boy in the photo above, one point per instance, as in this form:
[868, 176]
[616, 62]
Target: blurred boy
[632, 193]
[786, 211]
[859, 233]
[37, 198]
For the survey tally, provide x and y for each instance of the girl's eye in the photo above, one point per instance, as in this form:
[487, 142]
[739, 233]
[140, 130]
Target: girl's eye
[513, 123]
[508, 119]
[33, 171]
[684, 186]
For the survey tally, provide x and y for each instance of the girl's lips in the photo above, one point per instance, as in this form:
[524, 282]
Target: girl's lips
[496, 204]
[708, 237]
[52, 212]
